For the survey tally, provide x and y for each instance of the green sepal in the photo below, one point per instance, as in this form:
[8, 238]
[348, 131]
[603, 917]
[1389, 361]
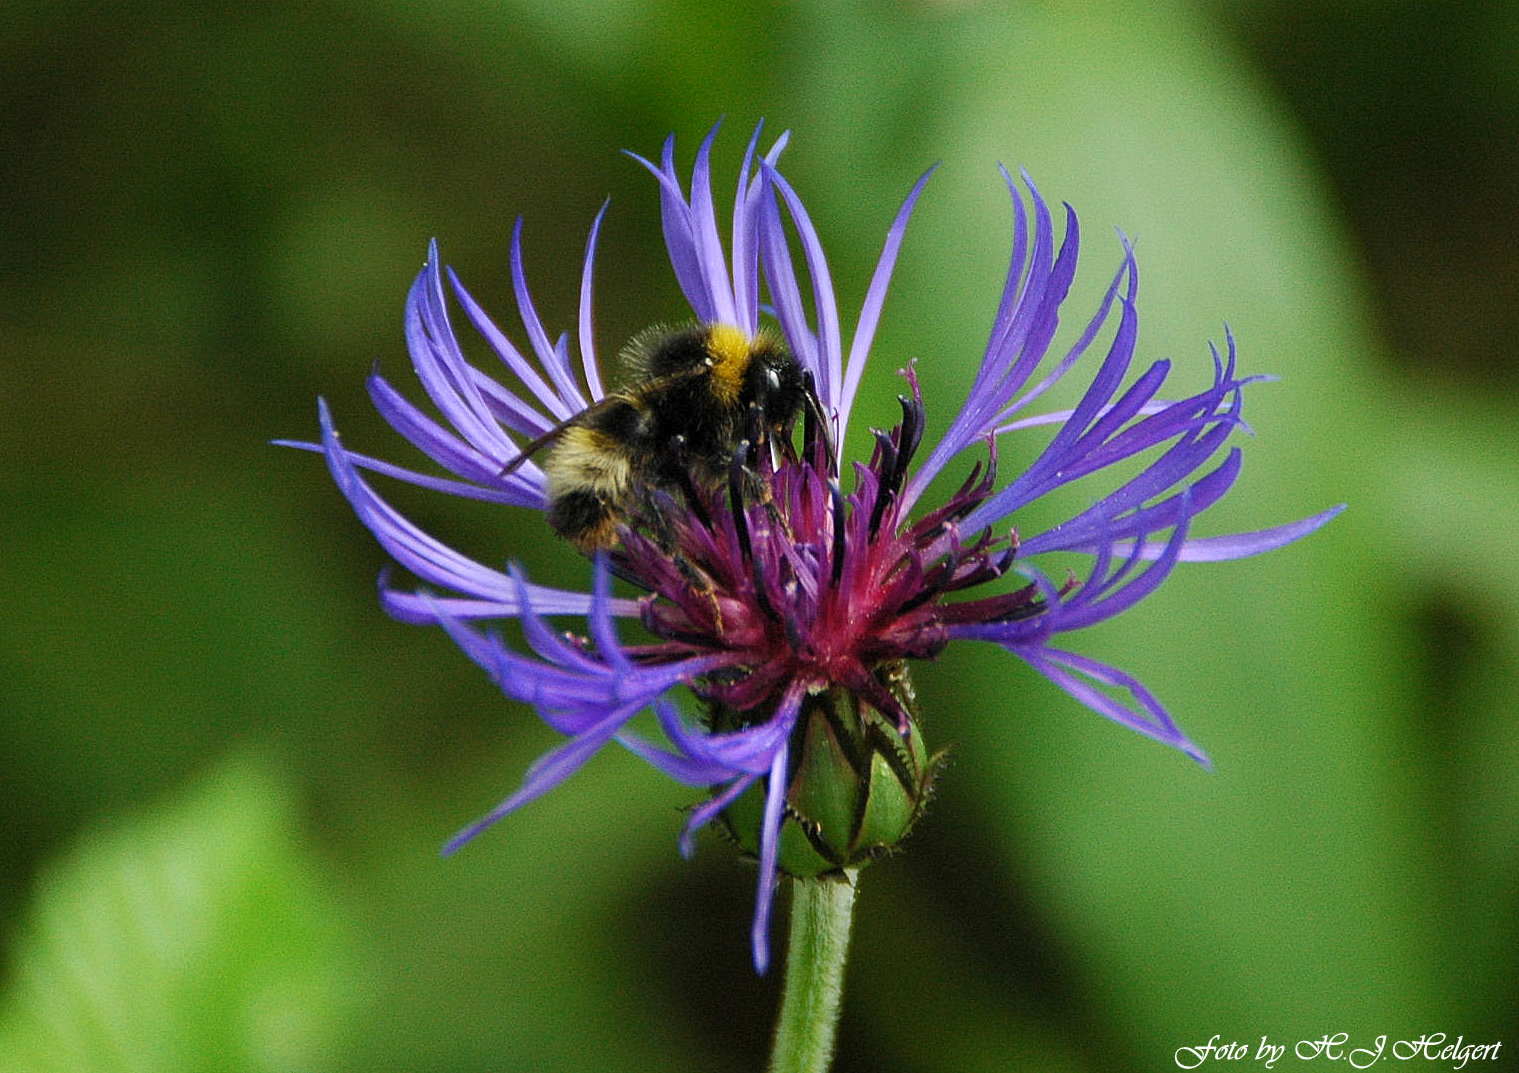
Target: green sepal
[891, 808]
[855, 785]
[825, 791]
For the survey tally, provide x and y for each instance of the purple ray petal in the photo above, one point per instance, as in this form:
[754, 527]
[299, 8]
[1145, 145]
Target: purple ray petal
[1241, 545]
[440, 365]
[875, 300]
[547, 772]
[549, 356]
[523, 370]
[587, 338]
[1076, 675]
[427, 558]
[770, 837]
[827, 339]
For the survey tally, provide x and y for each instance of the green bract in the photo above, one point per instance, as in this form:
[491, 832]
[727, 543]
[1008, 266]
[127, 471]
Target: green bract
[855, 785]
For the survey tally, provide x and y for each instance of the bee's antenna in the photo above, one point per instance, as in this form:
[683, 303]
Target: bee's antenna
[532, 447]
[840, 532]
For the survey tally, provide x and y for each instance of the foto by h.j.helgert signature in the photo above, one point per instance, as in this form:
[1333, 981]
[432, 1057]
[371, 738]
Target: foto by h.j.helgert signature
[1432, 1046]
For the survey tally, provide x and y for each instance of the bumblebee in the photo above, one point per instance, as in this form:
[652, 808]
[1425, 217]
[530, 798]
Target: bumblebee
[694, 393]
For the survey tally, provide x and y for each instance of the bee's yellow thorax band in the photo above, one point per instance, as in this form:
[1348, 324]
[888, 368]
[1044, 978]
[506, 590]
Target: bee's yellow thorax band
[731, 353]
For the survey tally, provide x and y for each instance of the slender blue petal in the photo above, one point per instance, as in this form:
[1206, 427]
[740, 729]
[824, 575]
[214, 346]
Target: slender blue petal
[547, 772]
[426, 557]
[1143, 712]
[710, 810]
[441, 367]
[692, 771]
[827, 346]
[529, 420]
[437, 484]
[424, 608]
[1021, 332]
[589, 367]
[786, 295]
[709, 245]
[551, 356]
[875, 301]
[680, 240]
[770, 836]
[1118, 515]
[1241, 545]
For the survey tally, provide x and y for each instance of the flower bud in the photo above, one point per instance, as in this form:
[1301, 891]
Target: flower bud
[855, 786]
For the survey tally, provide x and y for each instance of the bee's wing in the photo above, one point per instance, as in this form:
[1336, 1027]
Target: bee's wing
[587, 416]
[532, 447]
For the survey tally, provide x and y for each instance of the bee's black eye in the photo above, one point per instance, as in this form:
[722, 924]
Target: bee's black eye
[772, 381]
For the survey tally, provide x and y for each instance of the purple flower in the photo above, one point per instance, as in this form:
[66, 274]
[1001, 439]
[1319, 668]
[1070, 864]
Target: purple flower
[802, 575]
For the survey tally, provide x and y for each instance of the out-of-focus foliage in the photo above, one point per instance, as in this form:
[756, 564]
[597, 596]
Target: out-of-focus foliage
[211, 217]
[197, 937]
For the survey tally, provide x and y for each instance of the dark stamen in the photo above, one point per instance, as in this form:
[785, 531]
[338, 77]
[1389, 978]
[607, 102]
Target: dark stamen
[909, 438]
[822, 437]
[887, 459]
[836, 567]
[811, 425]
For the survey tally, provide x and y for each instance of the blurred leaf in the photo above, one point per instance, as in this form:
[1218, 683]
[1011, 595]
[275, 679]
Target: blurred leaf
[1451, 468]
[196, 937]
[1451, 473]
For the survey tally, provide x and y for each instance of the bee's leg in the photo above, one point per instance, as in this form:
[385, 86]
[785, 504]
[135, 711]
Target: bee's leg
[657, 511]
[679, 470]
[815, 437]
[740, 476]
[753, 450]
[657, 516]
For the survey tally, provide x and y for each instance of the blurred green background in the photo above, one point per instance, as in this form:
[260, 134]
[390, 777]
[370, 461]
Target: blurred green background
[227, 774]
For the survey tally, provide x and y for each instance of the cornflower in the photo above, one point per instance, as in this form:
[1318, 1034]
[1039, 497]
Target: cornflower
[789, 599]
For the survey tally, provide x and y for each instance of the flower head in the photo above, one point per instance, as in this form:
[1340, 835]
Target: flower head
[792, 585]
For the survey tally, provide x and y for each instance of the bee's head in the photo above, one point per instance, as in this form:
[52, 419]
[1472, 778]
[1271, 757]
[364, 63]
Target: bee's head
[775, 382]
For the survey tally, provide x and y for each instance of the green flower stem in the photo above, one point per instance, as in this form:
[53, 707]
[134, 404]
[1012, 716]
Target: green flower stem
[804, 1032]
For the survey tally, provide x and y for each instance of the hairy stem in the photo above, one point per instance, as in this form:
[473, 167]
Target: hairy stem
[821, 910]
